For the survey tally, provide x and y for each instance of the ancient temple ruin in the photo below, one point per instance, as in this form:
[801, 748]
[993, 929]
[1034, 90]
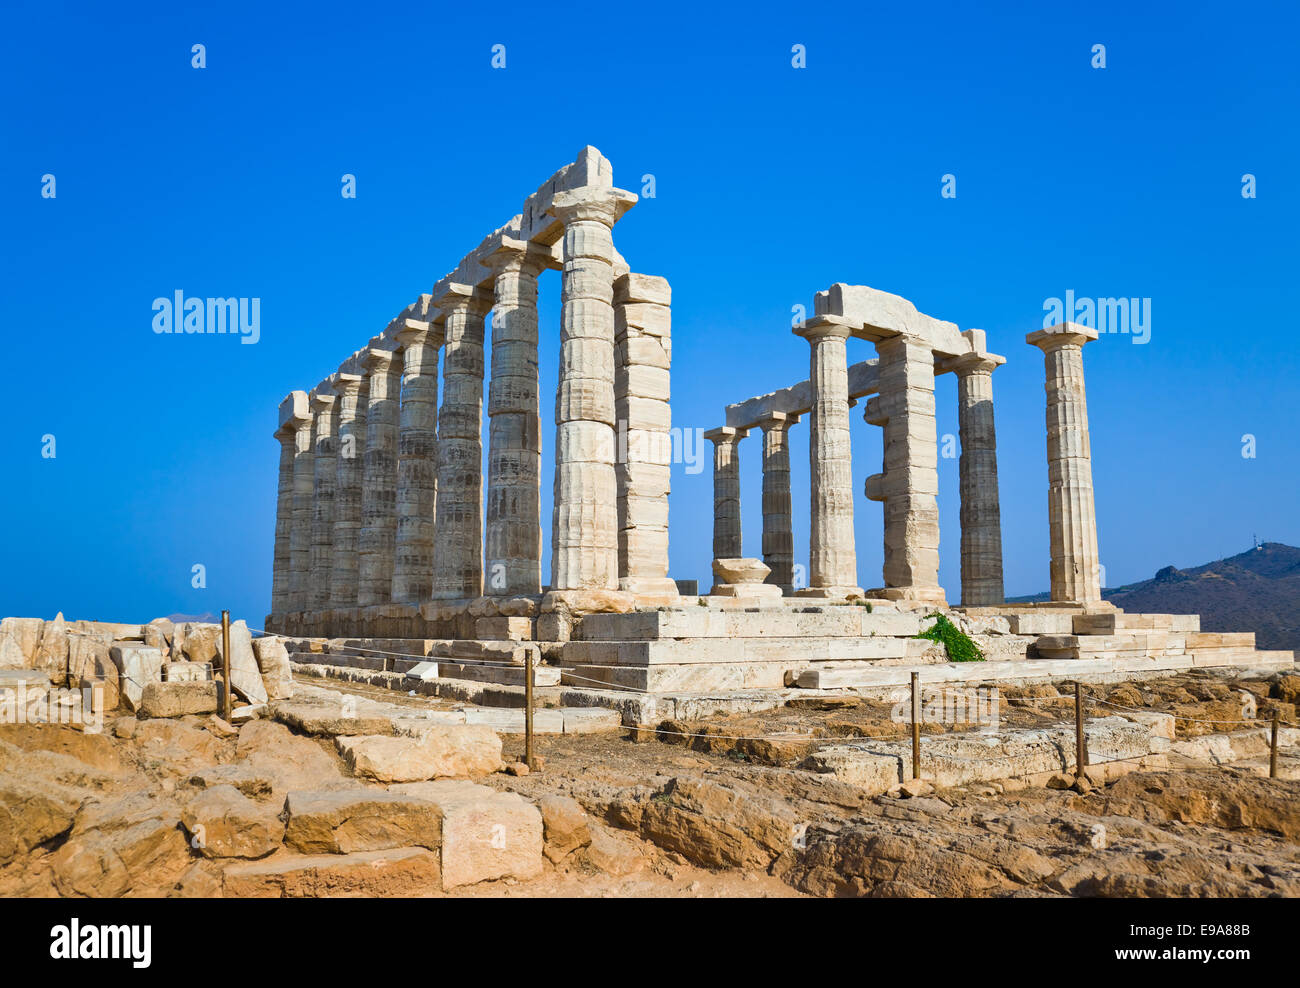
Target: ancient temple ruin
[387, 529]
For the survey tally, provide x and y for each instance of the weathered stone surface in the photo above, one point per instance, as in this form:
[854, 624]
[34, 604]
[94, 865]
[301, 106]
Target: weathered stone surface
[199, 642]
[245, 677]
[271, 750]
[486, 834]
[740, 570]
[33, 812]
[565, 826]
[443, 751]
[52, 655]
[187, 672]
[174, 748]
[25, 635]
[273, 664]
[401, 872]
[179, 698]
[614, 852]
[345, 821]
[224, 823]
[144, 858]
[330, 714]
[138, 665]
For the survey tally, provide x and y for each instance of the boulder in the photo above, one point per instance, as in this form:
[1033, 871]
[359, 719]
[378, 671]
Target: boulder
[273, 663]
[84, 650]
[198, 642]
[614, 853]
[33, 812]
[344, 821]
[178, 699]
[224, 823]
[145, 859]
[138, 665]
[486, 834]
[565, 826]
[289, 761]
[444, 751]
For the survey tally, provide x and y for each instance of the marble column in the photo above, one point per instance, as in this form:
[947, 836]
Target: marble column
[417, 463]
[514, 527]
[458, 532]
[910, 480]
[726, 491]
[378, 539]
[300, 537]
[778, 534]
[352, 398]
[981, 513]
[643, 467]
[293, 416]
[584, 539]
[324, 472]
[832, 556]
[1072, 515]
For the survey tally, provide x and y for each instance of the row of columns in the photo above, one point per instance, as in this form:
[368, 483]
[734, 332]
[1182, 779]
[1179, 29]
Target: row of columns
[908, 482]
[380, 494]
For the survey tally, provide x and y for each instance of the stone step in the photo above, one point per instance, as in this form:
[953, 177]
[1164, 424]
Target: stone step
[806, 621]
[1118, 621]
[694, 678]
[481, 672]
[790, 652]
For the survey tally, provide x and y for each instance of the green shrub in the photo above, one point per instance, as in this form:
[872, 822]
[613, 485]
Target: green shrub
[955, 641]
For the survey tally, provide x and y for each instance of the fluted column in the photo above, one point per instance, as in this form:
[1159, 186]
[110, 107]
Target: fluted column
[726, 491]
[1072, 515]
[514, 528]
[293, 416]
[417, 463]
[778, 534]
[458, 532]
[352, 398]
[584, 539]
[981, 514]
[832, 556]
[324, 470]
[378, 539]
[301, 535]
[909, 484]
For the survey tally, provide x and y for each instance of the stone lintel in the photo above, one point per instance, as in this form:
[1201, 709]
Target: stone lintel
[877, 315]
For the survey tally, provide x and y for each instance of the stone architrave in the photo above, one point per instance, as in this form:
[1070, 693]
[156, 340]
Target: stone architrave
[1072, 513]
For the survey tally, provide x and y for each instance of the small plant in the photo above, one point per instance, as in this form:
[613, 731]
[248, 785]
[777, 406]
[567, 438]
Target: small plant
[701, 601]
[955, 641]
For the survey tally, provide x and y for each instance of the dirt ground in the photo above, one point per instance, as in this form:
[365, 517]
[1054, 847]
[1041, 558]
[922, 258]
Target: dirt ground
[713, 808]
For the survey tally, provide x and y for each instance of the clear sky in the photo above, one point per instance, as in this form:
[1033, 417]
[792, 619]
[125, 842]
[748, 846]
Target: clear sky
[771, 182]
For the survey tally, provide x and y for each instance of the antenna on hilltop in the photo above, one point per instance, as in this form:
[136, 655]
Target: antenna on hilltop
[1255, 539]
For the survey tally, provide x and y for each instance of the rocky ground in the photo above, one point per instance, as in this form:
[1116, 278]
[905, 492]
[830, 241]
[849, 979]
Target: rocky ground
[192, 806]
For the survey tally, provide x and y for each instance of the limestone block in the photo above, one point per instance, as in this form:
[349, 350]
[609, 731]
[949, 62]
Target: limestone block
[273, 665]
[404, 872]
[740, 570]
[26, 634]
[565, 826]
[350, 820]
[442, 751]
[486, 834]
[504, 628]
[224, 823]
[138, 665]
[187, 672]
[178, 698]
[245, 677]
[52, 654]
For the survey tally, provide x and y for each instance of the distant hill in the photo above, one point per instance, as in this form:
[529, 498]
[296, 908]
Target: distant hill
[1257, 590]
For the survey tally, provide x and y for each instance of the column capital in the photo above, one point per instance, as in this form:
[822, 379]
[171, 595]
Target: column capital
[293, 414]
[378, 361]
[322, 403]
[777, 420]
[1065, 334]
[605, 205]
[725, 434]
[456, 297]
[419, 333]
[348, 384]
[514, 254]
[973, 363]
[820, 327]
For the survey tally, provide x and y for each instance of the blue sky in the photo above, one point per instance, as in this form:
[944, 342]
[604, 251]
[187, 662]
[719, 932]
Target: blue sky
[771, 183]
